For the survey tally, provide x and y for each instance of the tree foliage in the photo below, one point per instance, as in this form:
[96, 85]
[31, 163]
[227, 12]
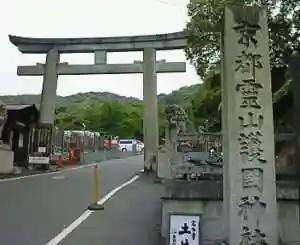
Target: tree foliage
[118, 118]
[206, 23]
[203, 51]
[124, 119]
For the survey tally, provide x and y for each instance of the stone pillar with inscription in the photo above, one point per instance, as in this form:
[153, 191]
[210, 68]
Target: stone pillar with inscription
[249, 166]
[295, 72]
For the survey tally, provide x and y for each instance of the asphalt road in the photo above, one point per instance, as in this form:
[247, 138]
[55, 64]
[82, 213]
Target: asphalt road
[35, 209]
[130, 217]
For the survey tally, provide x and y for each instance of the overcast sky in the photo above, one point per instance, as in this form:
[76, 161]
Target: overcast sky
[88, 18]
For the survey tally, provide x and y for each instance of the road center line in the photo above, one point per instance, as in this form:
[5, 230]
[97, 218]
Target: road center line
[66, 231]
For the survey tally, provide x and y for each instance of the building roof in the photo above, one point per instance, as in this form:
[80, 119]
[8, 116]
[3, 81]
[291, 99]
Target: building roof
[18, 107]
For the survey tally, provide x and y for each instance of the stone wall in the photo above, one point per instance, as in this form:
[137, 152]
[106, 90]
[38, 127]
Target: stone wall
[7, 157]
[205, 198]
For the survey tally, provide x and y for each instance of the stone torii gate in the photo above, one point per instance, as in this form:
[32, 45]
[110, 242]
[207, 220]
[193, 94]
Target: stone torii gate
[148, 44]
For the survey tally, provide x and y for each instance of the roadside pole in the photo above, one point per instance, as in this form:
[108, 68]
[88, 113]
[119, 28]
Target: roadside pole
[84, 127]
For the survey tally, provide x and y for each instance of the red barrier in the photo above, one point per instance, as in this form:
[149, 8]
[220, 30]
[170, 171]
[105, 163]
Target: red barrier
[59, 162]
[76, 154]
[71, 158]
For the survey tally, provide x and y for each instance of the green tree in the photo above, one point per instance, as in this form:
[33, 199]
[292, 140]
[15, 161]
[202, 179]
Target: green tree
[206, 22]
[116, 118]
[203, 51]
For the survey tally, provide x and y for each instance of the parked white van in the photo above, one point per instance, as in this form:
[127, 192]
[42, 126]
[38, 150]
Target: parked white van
[126, 144]
[129, 144]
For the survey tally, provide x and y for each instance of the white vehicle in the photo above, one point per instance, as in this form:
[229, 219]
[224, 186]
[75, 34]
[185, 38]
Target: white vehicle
[130, 145]
[140, 146]
[127, 144]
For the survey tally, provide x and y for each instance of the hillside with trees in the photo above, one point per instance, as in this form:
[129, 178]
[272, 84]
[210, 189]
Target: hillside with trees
[117, 115]
[66, 101]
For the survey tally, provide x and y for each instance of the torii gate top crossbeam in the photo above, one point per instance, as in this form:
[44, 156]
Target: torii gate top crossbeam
[176, 40]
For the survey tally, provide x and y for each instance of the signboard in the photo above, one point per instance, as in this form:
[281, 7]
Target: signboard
[38, 160]
[184, 229]
[42, 149]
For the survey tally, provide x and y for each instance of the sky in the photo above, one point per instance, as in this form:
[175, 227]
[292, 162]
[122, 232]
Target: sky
[90, 18]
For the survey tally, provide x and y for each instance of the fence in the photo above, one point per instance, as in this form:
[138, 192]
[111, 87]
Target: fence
[85, 140]
[94, 146]
[208, 141]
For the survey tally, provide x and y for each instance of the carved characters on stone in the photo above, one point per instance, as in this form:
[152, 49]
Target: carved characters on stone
[252, 237]
[246, 25]
[252, 178]
[251, 205]
[248, 32]
[249, 89]
[245, 235]
[251, 136]
[251, 146]
[246, 61]
[258, 237]
[252, 120]
[258, 208]
[244, 206]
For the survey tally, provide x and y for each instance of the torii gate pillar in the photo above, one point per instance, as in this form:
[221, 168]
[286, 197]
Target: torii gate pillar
[48, 97]
[150, 122]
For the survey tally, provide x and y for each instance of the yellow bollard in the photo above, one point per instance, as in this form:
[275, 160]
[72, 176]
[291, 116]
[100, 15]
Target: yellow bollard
[96, 192]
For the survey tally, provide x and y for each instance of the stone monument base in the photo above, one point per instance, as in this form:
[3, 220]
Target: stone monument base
[7, 160]
[205, 198]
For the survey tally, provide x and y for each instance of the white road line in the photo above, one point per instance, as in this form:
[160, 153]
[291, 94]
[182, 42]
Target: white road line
[48, 173]
[65, 232]
[61, 171]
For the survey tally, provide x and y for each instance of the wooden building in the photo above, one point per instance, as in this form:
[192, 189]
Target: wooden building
[20, 120]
